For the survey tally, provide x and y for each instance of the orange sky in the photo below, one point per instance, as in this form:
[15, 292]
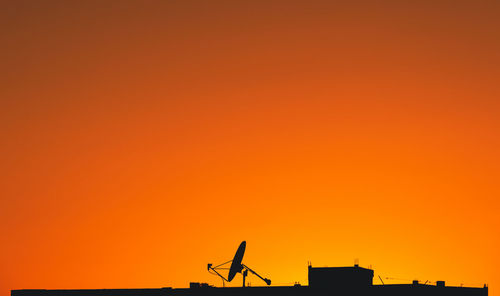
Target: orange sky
[142, 140]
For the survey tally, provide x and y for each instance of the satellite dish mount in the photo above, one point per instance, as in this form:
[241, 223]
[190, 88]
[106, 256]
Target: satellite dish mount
[236, 267]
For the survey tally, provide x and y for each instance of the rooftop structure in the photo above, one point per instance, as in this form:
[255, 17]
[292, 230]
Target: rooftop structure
[352, 281]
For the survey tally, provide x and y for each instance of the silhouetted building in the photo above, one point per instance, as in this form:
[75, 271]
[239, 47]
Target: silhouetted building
[340, 276]
[348, 281]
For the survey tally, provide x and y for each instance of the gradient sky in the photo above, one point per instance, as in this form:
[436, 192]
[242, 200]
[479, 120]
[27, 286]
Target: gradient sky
[141, 140]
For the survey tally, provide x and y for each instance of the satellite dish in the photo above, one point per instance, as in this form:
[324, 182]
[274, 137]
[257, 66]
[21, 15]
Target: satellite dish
[236, 267]
[236, 264]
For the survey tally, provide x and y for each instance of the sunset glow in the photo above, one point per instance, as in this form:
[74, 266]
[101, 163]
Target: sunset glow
[141, 140]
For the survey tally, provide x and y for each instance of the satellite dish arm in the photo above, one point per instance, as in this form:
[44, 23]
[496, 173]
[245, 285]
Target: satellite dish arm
[268, 281]
[214, 269]
[223, 278]
[221, 264]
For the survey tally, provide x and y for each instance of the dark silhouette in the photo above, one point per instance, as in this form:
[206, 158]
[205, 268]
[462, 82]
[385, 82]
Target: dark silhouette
[352, 281]
[324, 277]
[348, 281]
[236, 267]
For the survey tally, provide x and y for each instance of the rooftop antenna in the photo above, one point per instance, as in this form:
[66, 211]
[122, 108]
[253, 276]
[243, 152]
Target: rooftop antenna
[236, 267]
